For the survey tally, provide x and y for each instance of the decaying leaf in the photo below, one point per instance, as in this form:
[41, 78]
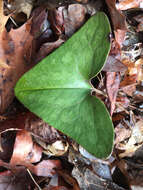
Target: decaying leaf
[122, 133]
[40, 130]
[114, 65]
[117, 17]
[15, 55]
[17, 49]
[74, 18]
[118, 20]
[120, 36]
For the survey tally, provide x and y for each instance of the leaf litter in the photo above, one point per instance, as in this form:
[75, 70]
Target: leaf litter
[123, 97]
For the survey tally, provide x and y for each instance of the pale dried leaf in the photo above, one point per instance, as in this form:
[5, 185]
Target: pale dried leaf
[3, 19]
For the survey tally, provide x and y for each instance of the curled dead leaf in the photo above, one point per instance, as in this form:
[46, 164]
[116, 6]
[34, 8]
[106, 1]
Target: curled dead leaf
[25, 151]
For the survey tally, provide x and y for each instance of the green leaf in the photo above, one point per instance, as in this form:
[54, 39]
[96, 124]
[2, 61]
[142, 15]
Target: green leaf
[58, 89]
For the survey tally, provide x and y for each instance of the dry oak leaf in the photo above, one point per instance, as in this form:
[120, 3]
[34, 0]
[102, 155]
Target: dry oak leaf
[17, 52]
[16, 49]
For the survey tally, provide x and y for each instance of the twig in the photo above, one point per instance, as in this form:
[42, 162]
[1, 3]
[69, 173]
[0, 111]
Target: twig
[33, 179]
[13, 21]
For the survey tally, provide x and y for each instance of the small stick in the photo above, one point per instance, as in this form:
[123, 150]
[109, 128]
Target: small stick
[33, 179]
[13, 21]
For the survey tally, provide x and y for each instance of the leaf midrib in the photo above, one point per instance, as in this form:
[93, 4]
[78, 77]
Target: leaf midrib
[41, 89]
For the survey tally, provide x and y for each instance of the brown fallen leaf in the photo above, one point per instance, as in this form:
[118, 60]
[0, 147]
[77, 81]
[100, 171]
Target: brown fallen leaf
[130, 76]
[15, 55]
[117, 17]
[15, 122]
[17, 49]
[68, 20]
[74, 17]
[114, 62]
[129, 80]
[47, 48]
[118, 20]
[56, 19]
[120, 36]
[122, 133]
[25, 151]
[129, 89]
[112, 86]
[33, 124]
[39, 129]
[45, 168]
[114, 65]
[133, 75]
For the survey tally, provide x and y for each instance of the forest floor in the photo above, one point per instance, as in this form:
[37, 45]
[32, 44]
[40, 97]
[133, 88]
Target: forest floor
[33, 154]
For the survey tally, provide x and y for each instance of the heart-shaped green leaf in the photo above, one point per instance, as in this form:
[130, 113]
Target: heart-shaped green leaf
[59, 91]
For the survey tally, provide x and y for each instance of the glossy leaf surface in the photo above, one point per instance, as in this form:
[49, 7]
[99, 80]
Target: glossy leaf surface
[58, 88]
